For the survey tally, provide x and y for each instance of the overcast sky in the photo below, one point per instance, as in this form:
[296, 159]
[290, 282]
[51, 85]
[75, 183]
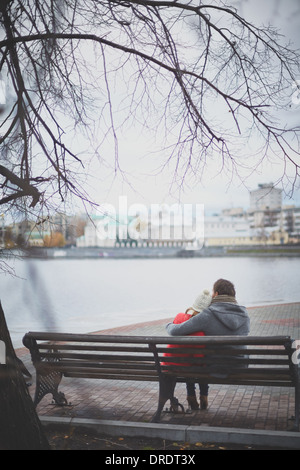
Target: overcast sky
[215, 191]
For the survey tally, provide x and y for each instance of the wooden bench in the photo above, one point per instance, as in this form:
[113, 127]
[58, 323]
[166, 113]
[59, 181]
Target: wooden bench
[235, 360]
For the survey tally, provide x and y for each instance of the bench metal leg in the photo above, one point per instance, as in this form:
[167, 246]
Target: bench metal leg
[49, 384]
[166, 392]
[175, 405]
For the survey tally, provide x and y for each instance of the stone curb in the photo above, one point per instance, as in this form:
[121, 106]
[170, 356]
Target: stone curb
[191, 434]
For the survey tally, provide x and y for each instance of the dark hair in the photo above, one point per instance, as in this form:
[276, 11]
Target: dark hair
[224, 287]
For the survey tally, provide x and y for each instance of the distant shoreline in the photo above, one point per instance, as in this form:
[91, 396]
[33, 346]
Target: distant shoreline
[154, 252]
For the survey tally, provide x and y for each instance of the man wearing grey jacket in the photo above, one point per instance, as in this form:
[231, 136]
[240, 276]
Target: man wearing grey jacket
[224, 317]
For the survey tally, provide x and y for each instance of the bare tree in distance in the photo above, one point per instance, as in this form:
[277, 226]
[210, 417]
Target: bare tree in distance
[79, 73]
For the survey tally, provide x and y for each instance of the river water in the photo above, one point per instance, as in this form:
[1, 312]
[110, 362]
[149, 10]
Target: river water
[87, 295]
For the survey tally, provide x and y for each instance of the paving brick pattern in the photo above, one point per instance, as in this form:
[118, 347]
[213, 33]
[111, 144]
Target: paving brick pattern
[263, 408]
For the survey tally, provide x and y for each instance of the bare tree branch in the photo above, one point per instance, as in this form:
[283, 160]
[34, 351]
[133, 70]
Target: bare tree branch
[26, 188]
[233, 65]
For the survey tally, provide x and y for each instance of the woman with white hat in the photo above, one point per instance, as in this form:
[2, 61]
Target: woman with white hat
[202, 301]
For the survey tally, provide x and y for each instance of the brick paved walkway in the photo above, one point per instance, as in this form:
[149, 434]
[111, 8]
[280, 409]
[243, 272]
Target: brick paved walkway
[245, 407]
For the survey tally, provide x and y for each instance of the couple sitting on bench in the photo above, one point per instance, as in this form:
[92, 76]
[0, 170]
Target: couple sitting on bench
[211, 315]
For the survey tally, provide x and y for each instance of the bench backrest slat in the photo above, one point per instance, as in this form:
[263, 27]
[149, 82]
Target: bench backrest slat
[97, 357]
[201, 340]
[94, 347]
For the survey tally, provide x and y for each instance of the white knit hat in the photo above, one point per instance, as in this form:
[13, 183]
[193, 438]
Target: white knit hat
[203, 300]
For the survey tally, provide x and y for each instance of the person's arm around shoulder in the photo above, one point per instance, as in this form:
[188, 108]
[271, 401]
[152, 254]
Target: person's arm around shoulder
[195, 324]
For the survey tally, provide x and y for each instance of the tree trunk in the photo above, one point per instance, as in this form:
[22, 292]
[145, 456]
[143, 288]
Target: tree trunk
[20, 427]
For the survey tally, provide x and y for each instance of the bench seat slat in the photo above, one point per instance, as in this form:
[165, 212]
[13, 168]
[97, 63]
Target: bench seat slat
[257, 371]
[112, 376]
[115, 370]
[236, 379]
[241, 381]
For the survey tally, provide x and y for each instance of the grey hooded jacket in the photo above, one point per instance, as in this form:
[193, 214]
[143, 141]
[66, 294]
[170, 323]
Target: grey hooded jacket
[219, 319]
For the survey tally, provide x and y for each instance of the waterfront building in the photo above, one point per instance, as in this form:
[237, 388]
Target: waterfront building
[269, 220]
[266, 222]
[265, 197]
[226, 231]
[291, 222]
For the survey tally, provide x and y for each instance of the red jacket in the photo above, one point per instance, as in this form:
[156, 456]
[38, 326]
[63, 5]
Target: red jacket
[180, 318]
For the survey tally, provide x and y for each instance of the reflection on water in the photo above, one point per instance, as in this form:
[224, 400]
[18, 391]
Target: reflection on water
[90, 295]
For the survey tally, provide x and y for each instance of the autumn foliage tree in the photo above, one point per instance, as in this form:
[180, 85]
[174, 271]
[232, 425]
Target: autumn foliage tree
[78, 72]
[55, 239]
